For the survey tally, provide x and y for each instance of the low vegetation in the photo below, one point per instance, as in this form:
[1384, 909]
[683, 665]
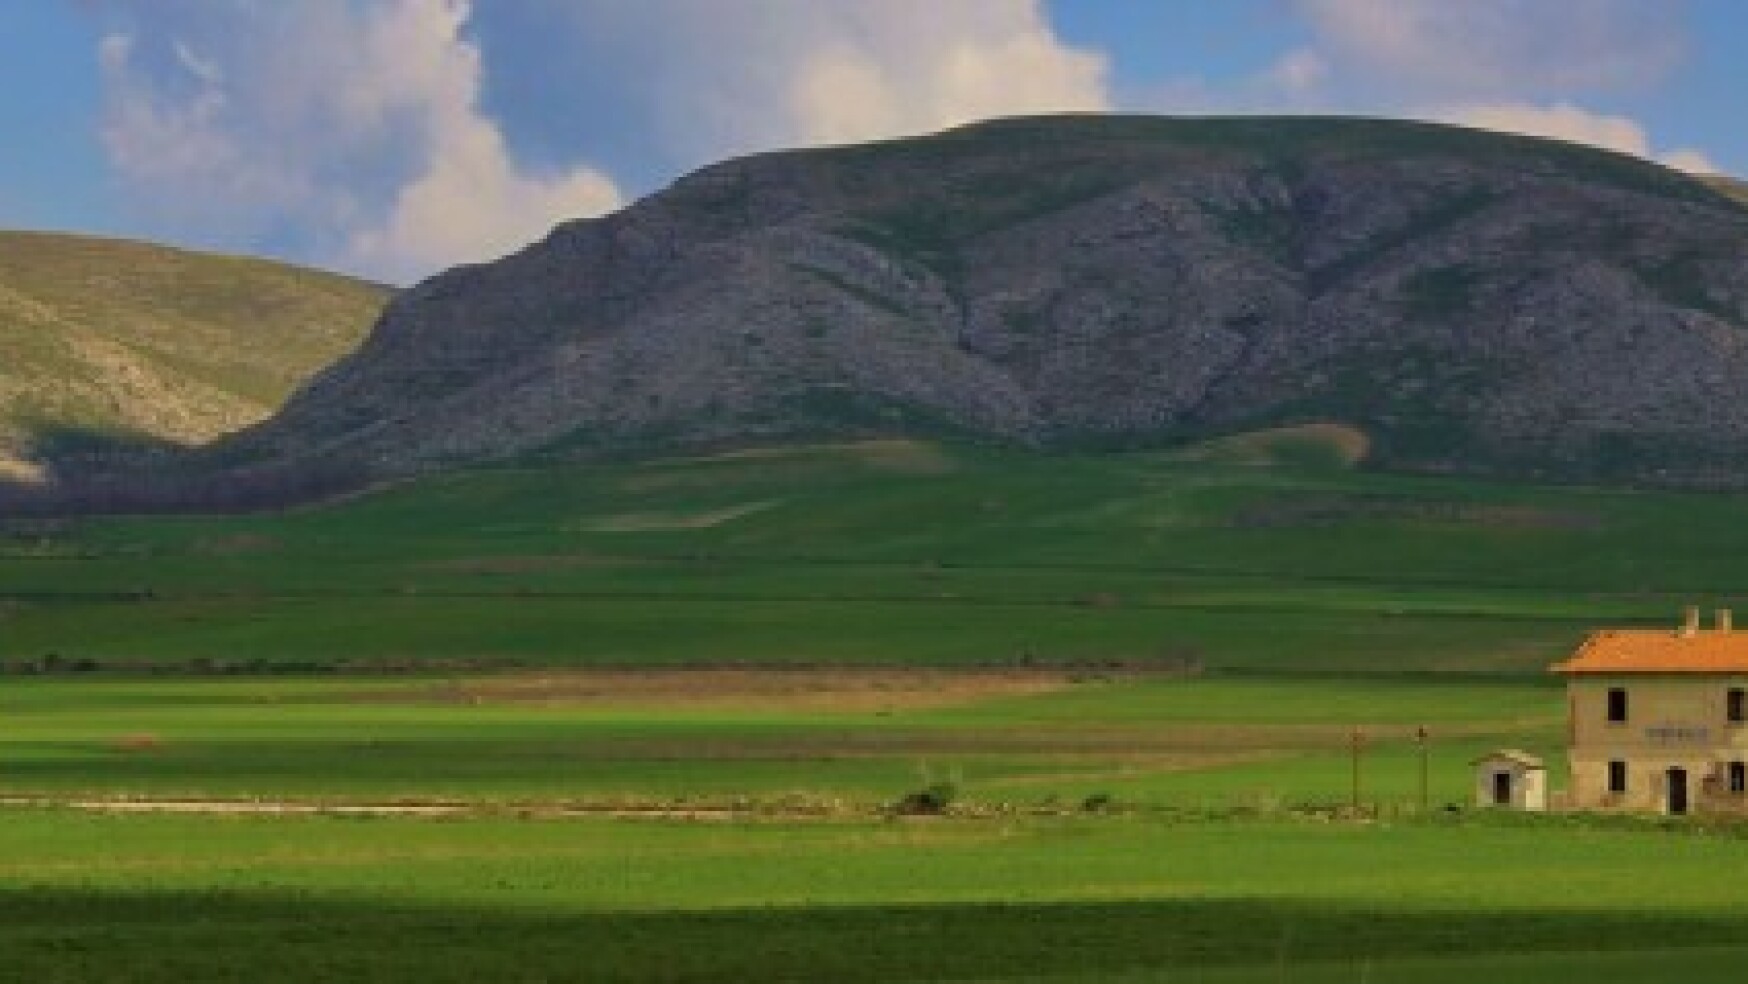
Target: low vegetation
[844, 742]
[1015, 826]
[1097, 899]
[881, 712]
[1267, 553]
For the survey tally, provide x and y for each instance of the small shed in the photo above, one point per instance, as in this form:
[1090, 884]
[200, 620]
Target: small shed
[1511, 779]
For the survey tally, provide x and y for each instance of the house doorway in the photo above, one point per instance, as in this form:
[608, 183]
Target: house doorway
[1677, 791]
[1501, 789]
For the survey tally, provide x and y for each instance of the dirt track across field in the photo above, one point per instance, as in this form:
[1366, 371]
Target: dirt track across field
[535, 811]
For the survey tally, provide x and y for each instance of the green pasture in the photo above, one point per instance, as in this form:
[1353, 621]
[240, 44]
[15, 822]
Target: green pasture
[1140, 740]
[1209, 635]
[885, 552]
[157, 898]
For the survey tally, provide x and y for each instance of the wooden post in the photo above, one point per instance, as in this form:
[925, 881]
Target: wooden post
[1420, 738]
[1358, 744]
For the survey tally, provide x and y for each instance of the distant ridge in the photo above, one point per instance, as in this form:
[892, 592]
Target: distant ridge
[110, 341]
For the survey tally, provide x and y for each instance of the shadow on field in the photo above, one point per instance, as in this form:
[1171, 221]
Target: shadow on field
[54, 935]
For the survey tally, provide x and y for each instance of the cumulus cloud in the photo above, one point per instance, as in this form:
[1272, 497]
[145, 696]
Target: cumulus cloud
[467, 199]
[1564, 121]
[1519, 66]
[718, 79]
[364, 133]
[349, 132]
[864, 76]
[1503, 47]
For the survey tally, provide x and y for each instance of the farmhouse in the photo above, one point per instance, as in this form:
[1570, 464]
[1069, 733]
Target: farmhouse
[1658, 719]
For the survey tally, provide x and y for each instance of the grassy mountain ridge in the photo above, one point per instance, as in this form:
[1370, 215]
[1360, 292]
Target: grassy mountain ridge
[1734, 188]
[104, 338]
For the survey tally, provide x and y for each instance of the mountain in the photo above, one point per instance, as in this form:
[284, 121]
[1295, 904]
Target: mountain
[110, 341]
[1470, 301]
[1732, 187]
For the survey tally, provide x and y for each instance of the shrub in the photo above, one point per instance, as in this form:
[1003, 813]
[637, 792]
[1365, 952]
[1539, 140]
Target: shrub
[931, 800]
[1096, 803]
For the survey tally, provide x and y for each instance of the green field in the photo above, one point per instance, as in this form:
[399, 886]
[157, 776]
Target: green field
[881, 553]
[761, 652]
[178, 898]
[1221, 857]
[858, 741]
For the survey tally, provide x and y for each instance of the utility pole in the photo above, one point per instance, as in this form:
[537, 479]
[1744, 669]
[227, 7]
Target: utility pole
[1420, 738]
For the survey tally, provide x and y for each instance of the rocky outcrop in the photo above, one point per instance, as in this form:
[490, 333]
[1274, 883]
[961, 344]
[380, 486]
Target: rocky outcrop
[1473, 301]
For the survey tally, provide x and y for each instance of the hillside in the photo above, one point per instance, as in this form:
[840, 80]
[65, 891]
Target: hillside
[1733, 187]
[1469, 301]
[110, 340]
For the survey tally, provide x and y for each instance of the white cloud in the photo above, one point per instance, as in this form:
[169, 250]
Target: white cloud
[1564, 121]
[469, 200]
[933, 66]
[353, 128]
[1506, 48]
[720, 78]
[1692, 161]
[354, 132]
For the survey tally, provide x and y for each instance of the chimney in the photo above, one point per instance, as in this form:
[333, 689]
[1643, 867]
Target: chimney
[1725, 620]
[1690, 621]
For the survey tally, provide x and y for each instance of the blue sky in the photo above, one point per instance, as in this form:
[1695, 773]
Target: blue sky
[394, 137]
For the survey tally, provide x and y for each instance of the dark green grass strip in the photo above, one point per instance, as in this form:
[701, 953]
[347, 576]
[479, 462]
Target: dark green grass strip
[56, 935]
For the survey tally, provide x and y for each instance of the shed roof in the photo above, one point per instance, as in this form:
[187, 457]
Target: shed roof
[1659, 651]
[1516, 756]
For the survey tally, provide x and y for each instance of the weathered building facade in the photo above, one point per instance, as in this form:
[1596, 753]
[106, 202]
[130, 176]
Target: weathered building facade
[1658, 720]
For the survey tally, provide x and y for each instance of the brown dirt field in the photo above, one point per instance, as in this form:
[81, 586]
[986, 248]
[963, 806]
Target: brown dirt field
[1151, 748]
[1137, 765]
[1350, 444]
[834, 690]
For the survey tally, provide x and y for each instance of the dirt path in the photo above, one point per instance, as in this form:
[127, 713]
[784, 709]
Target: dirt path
[542, 811]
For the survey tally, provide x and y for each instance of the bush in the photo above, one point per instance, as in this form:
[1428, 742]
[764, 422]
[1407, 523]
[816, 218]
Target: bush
[932, 800]
[1096, 803]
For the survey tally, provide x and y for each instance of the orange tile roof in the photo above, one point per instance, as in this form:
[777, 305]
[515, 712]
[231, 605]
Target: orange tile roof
[1659, 651]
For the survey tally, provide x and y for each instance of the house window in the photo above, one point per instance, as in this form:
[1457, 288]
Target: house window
[1739, 777]
[1736, 705]
[1617, 705]
[1617, 776]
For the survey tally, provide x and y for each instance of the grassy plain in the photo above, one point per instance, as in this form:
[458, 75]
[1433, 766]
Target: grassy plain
[883, 553]
[849, 739]
[830, 628]
[156, 898]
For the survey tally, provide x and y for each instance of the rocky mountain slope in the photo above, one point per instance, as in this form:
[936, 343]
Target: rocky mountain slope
[1471, 301]
[103, 340]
